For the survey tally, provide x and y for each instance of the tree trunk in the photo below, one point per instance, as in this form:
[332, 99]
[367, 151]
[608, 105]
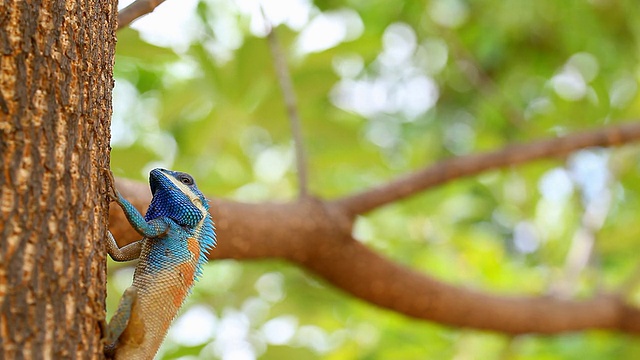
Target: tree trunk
[55, 107]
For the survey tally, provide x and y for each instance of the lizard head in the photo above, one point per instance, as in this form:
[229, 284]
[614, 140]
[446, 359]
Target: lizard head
[176, 196]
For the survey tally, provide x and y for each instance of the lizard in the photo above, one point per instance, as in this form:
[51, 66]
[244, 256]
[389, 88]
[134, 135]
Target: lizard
[178, 232]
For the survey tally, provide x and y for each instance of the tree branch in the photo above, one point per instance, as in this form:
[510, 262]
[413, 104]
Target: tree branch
[368, 276]
[316, 235]
[455, 168]
[286, 85]
[137, 9]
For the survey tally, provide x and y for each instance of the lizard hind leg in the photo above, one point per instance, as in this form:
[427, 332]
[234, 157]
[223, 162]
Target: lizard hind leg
[120, 319]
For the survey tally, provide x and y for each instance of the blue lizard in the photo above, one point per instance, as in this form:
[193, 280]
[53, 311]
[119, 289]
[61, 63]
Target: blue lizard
[177, 234]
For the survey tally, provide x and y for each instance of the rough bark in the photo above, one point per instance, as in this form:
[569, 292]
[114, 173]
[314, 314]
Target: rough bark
[316, 234]
[55, 106]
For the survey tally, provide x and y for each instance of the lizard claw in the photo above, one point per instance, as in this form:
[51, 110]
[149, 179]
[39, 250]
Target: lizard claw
[111, 192]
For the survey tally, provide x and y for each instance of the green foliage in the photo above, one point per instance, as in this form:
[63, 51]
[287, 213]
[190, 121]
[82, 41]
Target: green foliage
[503, 72]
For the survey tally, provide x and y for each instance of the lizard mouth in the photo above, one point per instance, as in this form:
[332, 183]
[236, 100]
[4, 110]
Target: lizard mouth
[156, 177]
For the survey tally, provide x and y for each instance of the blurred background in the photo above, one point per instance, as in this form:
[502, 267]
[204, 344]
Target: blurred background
[384, 88]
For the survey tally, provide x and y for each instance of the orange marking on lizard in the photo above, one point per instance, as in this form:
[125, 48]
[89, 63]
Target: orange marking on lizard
[194, 248]
[187, 271]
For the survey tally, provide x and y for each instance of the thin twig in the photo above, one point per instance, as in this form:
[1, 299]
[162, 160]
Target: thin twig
[583, 244]
[456, 168]
[284, 78]
[577, 259]
[137, 9]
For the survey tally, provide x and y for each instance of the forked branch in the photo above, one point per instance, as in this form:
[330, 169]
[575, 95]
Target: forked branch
[317, 236]
[309, 233]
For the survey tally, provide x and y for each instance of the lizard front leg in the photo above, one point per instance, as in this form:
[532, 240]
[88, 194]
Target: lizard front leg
[152, 229]
[125, 253]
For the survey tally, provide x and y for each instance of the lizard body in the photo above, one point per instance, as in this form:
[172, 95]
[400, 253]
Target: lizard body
[177, 233]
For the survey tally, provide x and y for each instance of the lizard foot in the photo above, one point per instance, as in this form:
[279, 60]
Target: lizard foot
[111, 192]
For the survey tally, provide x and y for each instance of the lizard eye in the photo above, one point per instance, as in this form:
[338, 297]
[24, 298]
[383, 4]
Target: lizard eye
[185, 179]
